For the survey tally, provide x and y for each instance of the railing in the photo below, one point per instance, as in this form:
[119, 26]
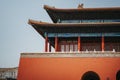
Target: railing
[86, 51]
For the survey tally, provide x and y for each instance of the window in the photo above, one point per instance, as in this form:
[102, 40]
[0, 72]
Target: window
[67, 48]
[71, 47]
[62, 48]
[75, 47]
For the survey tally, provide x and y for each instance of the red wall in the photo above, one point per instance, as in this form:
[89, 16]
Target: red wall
[67, 68]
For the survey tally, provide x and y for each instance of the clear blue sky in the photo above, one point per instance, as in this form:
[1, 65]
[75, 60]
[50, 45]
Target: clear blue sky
[16, 36]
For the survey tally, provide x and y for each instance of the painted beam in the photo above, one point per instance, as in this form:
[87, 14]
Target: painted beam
[84, 34]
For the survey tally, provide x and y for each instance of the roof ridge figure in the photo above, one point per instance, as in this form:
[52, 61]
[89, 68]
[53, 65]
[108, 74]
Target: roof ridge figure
[80, 5]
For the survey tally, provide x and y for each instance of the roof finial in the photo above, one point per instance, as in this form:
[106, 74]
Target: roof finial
[80, 5]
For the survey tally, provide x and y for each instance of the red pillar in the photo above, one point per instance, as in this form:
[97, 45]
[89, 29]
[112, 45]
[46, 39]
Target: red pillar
[79, 44]
[103, 43]
[46, 44]
[56, 44]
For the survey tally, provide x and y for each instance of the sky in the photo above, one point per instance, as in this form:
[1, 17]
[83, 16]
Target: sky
[17, 36]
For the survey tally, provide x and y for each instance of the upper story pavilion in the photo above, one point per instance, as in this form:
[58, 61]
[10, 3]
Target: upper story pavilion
[81, 29]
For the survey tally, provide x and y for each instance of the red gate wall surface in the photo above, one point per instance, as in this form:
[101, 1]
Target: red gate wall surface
[71, 68]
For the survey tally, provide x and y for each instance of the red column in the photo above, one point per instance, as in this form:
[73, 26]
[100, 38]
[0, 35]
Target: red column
[79, 44]
[46, 44]
[56, 44]
[103, 43]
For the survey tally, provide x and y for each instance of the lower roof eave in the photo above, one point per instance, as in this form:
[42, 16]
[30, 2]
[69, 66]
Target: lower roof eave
[45, 24]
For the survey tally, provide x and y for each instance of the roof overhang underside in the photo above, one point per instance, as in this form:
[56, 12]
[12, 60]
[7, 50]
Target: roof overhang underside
[44, 28]
[82, 13]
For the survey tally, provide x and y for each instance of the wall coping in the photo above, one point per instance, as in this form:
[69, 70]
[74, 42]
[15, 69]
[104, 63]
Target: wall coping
[71, 54]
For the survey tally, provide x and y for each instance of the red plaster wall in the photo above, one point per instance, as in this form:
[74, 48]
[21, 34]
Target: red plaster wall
[67, 68]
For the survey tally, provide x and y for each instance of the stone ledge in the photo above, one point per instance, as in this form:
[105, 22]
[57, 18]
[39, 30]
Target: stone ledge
[71, 54]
